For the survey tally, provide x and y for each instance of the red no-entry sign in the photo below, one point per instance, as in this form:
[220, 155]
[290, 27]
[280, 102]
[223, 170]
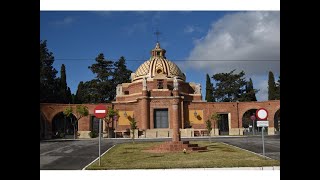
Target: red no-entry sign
[100, 111]
[262, 114]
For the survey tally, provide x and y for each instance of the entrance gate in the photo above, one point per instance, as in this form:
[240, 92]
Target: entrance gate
[161, 118]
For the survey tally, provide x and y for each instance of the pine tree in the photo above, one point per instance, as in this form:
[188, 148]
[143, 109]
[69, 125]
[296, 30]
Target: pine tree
[250, 94]
[209, 90]
[230, 87]
[101, 87]
[120, 74]
[48, 92]
[271, 87]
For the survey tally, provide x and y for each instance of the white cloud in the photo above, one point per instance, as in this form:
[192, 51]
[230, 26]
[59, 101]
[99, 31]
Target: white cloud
[64, 21]
[191, 29]
[240, 36]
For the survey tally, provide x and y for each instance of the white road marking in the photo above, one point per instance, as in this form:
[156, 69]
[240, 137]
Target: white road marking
[97, 158]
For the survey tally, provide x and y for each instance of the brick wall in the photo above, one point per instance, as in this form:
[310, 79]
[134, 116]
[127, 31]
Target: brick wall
[236, 111]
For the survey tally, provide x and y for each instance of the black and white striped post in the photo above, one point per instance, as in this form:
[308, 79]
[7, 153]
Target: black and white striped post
[100, 112]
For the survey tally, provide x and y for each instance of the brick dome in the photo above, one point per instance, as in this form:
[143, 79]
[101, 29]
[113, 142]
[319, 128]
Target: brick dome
[158, 65]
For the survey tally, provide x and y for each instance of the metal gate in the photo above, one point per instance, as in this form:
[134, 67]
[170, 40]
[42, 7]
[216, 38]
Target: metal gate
[161, 118]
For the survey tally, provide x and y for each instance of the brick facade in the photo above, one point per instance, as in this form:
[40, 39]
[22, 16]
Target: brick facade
[161, 85]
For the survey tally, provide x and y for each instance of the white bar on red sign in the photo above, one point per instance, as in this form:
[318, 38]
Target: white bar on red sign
[100, 111]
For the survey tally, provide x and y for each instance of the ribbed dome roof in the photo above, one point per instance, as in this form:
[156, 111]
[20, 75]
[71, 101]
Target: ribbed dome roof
[157, 65]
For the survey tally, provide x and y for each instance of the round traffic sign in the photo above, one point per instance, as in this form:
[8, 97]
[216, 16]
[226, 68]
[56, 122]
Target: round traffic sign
[262, 114]
[100, 111]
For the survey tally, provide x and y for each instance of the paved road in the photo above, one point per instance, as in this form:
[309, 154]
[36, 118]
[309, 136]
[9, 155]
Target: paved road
[254, 143]
[69, 155]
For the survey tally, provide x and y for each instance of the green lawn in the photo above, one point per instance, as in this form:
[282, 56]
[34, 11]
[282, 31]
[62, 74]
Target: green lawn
[132, 156]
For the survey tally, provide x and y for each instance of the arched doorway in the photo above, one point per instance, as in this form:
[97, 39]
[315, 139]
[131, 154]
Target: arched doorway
[277, 122]
[223, 123]
[63, 127]
[247, 124]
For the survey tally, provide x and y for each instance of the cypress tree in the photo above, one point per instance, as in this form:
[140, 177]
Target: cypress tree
[209, 90]
[271, 87]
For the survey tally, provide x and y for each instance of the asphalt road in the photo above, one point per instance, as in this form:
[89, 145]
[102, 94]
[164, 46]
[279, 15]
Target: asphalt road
[254, 144]
[76, 154]
[70, 155]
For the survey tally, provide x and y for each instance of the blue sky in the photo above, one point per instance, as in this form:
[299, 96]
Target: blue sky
[248, 41]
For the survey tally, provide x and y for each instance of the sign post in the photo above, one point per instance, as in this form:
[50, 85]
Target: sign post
[253, 118]
[262, 114]
[100, 112]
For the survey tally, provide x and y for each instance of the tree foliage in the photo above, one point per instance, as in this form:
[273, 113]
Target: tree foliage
[278, 89]
[87, 92]
[209, 90]
[48, 88]
[120, 74]
[209, 127]
[101, 86]
[272, 89]
[133, 127]
[109, 118]
[81, 111]
[250, 94]
[52, 89]
[102, 89]
[231, 87]
[64, 90]
[216, 118]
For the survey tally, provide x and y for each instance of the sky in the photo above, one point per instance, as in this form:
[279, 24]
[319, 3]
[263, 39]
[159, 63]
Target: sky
[199, 42]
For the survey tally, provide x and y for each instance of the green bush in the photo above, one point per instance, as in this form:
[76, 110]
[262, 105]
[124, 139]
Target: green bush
[61, 135]
[93, 134]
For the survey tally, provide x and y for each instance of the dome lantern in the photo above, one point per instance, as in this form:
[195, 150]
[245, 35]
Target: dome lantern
[158, 65]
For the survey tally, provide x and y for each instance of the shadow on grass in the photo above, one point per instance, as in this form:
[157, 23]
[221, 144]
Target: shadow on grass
[201, 151]
[154, 156]
[215, 146]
